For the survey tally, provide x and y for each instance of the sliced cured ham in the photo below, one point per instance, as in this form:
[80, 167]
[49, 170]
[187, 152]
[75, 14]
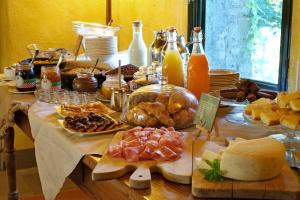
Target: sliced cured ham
[132, 143]
[157, 155]
[152, 144]
[131, 154]
[155, 136]
[115, 151]
[140, 144]
[146, 154]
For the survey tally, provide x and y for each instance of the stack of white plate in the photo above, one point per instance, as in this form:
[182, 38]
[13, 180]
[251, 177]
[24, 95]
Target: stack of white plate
[223, 79]
[103, 48]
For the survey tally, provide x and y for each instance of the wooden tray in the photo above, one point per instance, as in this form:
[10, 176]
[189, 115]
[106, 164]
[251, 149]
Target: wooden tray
[179, 171]
[285, 186]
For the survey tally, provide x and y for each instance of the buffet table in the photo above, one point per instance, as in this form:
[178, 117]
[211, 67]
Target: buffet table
[84, 153]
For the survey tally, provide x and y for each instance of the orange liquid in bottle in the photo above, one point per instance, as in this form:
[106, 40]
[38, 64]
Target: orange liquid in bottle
[197, 75]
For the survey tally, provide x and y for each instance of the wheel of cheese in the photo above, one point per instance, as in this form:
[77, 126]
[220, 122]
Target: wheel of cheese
[253, 160]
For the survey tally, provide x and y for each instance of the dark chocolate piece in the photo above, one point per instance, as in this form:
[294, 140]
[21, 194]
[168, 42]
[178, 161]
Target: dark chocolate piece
[240, 96]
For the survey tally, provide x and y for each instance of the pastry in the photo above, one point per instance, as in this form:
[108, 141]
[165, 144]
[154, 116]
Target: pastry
[139, 117]
[135, 99]
[163, 98]
[157, 110]
[90, 123]
[289, 121]
[176, 102]
[184, 117]
[258, 109]
[269, 118]
[284, 98]
[295, 104]
[282, 111]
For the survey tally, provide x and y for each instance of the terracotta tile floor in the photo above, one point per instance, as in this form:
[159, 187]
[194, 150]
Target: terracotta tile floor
[29, 187]
[73, 194]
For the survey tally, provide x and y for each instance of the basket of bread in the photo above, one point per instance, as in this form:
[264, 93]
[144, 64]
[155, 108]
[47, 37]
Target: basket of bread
[160, 105]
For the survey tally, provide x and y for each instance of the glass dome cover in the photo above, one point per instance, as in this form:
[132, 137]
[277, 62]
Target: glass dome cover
[160, 105]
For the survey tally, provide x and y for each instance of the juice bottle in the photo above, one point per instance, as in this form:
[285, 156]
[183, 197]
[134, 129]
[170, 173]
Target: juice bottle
[172, 67]
[197, 70]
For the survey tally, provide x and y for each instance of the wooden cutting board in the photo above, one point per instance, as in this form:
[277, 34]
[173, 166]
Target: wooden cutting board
[178, 171]
[284, 186]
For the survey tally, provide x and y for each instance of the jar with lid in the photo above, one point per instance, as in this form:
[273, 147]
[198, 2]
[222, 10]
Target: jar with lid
[50, 78]
[85, 82]
[112, 81]
[25, 78]
[157, 46]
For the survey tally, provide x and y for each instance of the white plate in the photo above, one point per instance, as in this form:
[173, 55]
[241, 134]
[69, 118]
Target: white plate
[15, 91]
[82, 134]
[58, 111]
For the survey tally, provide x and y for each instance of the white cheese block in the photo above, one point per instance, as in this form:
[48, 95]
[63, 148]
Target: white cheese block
[253, 160]
[207, 155]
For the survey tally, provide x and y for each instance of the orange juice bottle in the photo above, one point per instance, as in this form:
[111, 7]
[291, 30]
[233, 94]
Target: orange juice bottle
[197, 68]
[172, 67]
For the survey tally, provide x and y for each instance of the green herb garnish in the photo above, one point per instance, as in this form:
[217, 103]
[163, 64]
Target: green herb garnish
[214, 174]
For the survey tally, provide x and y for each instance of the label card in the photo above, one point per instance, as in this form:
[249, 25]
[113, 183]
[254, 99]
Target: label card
[207, 111]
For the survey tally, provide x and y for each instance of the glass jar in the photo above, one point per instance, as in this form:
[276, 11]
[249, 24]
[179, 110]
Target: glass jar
[25, 79]
[85, 82]
[112, 81]
[156, 47]
[50, 78]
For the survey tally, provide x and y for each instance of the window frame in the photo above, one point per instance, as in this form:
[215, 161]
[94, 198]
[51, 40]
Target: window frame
[196, 17]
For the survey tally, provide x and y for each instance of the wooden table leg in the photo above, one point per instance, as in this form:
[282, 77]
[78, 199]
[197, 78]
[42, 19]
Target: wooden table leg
[9, 151]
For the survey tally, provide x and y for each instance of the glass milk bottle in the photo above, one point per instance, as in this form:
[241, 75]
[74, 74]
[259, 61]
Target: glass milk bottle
[137, 51]
[172, 67]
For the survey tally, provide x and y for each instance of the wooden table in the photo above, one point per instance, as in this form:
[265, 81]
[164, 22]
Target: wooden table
[81, 176]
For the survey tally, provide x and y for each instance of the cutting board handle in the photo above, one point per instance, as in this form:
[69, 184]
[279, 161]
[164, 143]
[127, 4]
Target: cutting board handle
[141, 178]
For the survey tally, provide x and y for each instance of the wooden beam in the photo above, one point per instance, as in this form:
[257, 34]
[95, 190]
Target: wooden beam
[108, 11]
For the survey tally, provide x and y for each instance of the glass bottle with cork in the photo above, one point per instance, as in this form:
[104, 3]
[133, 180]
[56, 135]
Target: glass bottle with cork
[137, 51]
[197, 70]
[172, 67]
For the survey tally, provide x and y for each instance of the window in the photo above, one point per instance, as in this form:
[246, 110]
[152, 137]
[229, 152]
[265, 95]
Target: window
[249, 36]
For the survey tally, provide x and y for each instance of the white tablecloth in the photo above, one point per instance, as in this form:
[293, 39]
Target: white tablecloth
[57, 151]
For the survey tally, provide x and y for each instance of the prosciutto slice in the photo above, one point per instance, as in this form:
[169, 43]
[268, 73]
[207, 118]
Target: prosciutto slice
[140, 144]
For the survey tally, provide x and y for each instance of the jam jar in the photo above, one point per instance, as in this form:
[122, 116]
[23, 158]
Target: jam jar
[25, 79]
[85, 82]
[50, 78]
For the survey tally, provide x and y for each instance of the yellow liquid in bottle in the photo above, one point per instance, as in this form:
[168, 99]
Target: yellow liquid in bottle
[172, 68]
